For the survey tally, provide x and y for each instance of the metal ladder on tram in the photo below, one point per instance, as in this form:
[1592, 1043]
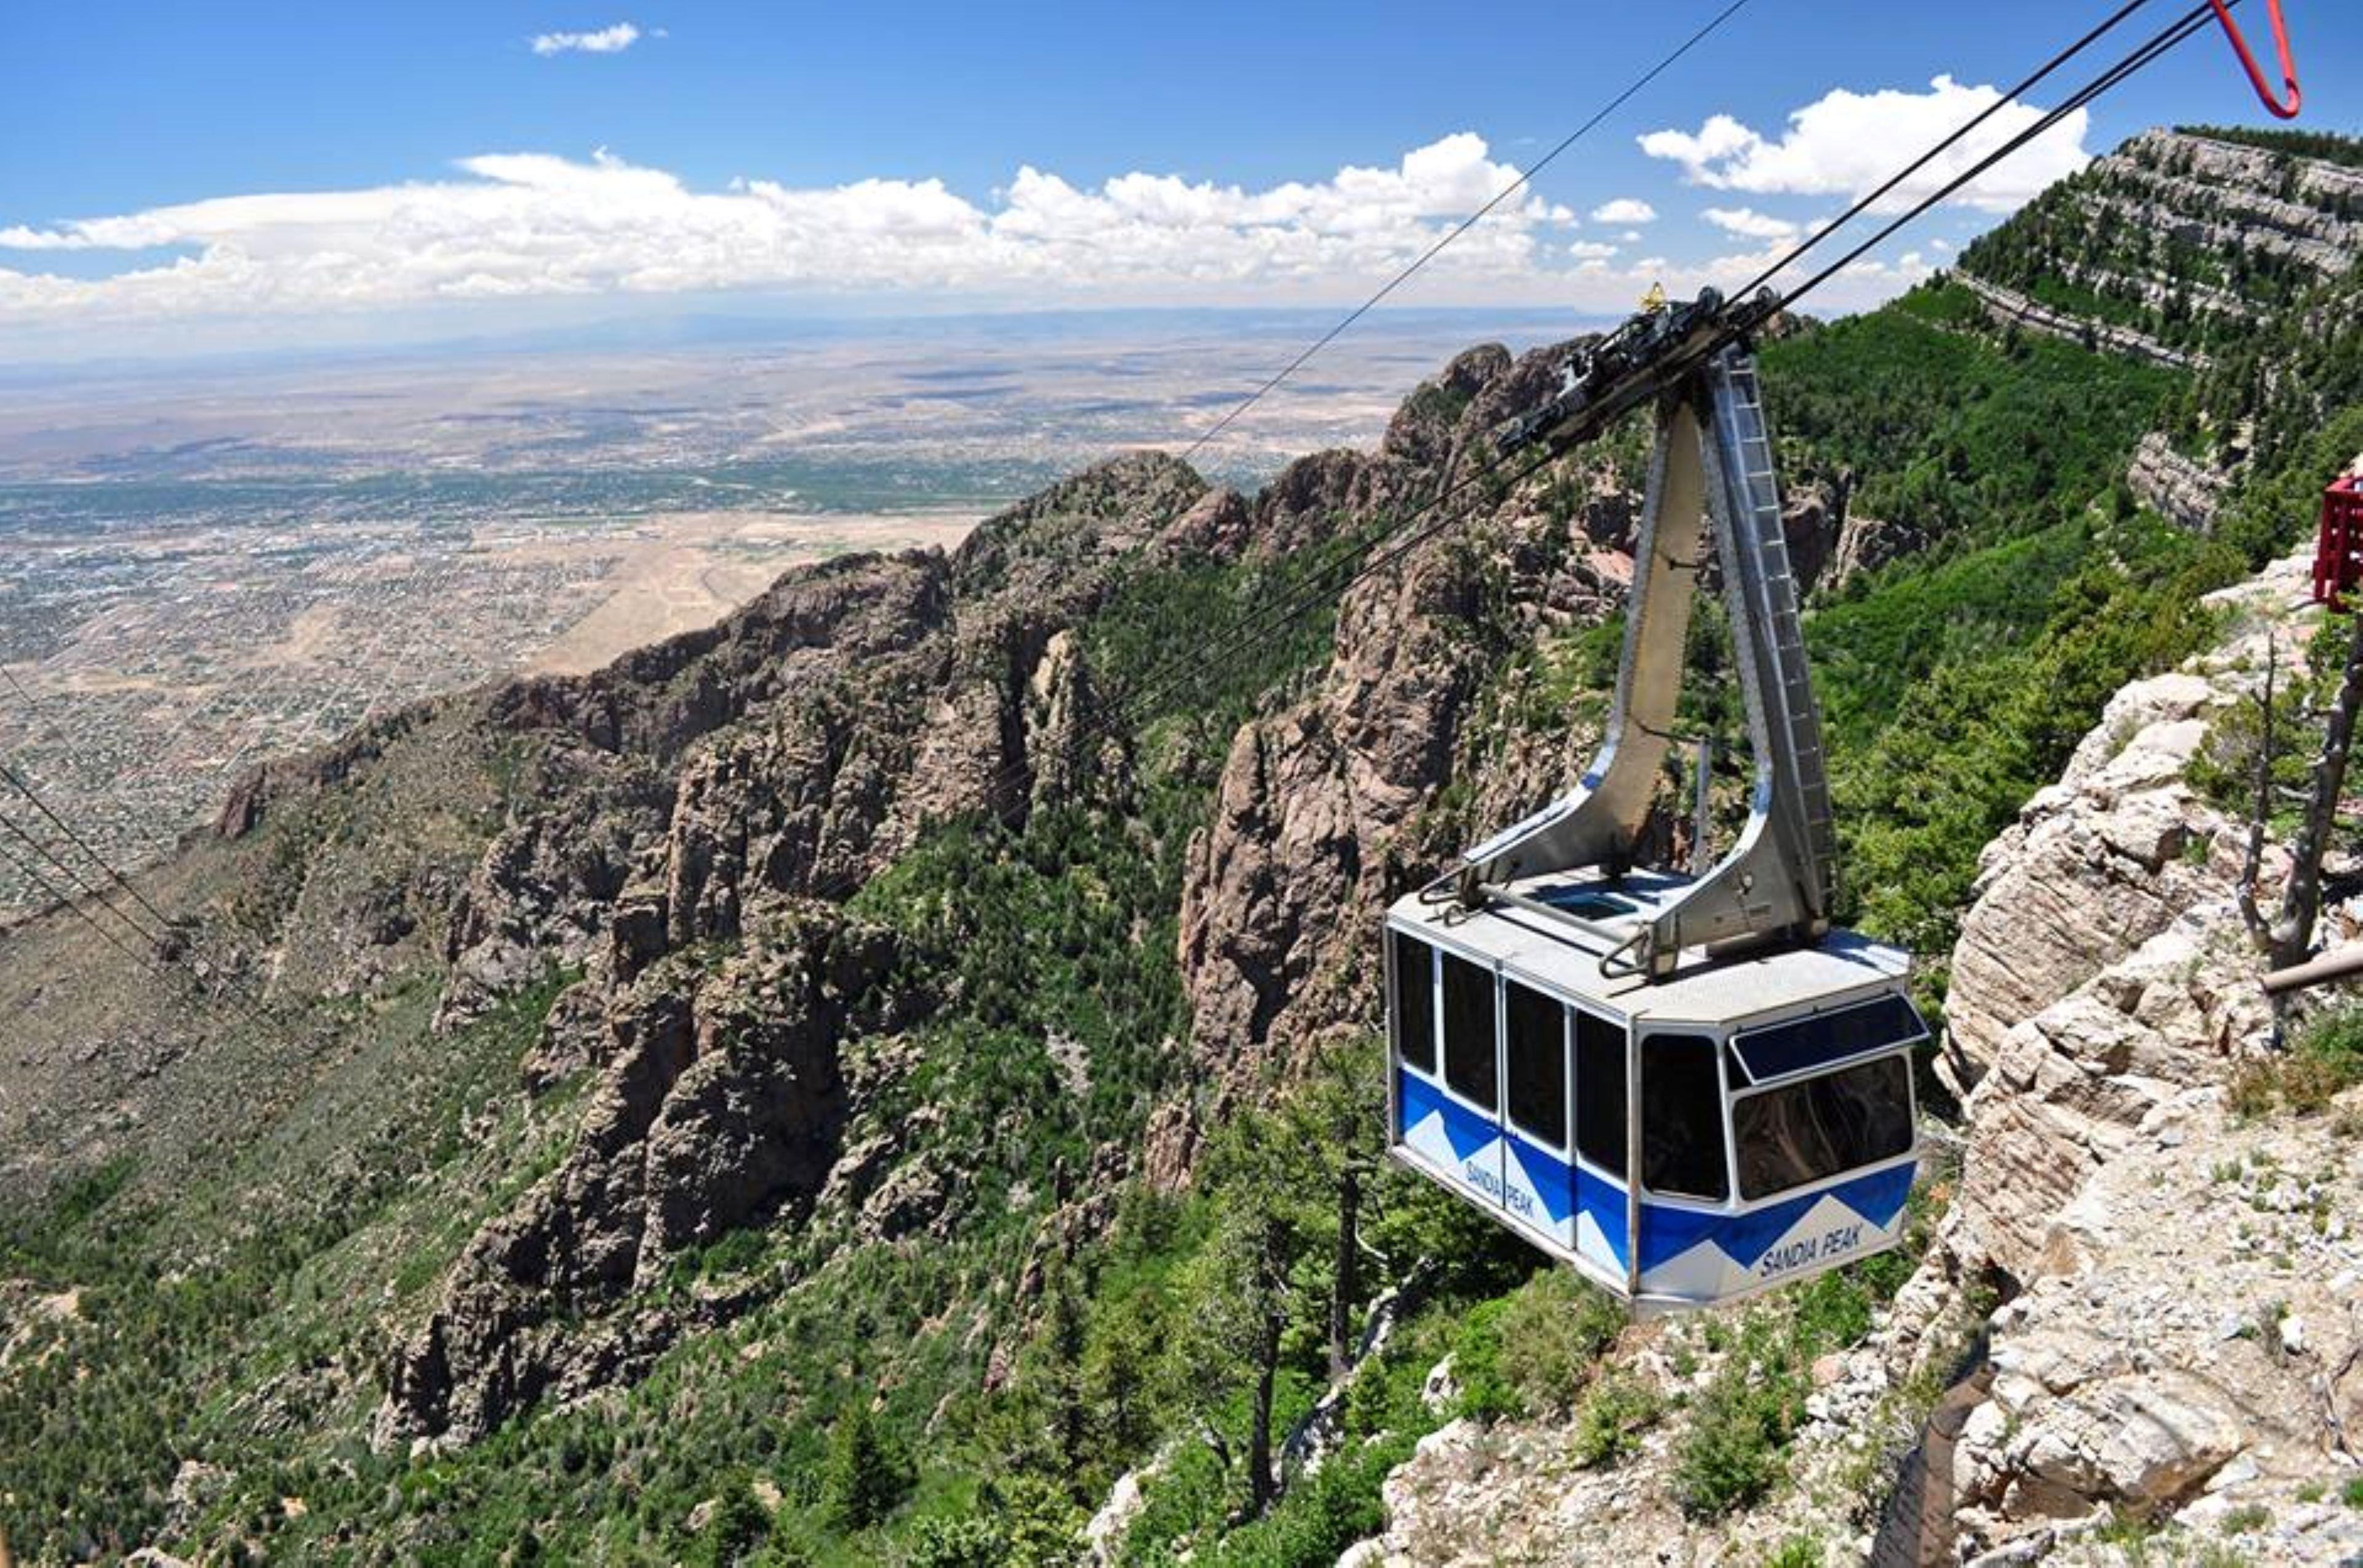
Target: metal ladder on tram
[1712, 465]
[1795, 717]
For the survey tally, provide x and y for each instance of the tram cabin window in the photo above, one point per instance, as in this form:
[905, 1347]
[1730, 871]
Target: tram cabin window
[1469, 1030]
[1814, 1130]
[1599, 1091]
[1536, 1028]
[1415, 1002]
[1681, 1117]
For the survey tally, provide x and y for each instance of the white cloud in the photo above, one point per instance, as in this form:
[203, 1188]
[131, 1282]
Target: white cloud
[532, 226]
[1846, 143]
[606, 41]
[1750, 224]
[1625, 209]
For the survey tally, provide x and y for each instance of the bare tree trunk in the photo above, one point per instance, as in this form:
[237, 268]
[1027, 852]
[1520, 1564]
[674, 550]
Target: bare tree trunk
[2292, 934]
[1260, 1479]
[1347, 1284]
[2252, 863]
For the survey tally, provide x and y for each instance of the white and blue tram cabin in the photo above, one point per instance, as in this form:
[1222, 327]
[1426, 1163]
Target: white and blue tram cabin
[1749, 1120]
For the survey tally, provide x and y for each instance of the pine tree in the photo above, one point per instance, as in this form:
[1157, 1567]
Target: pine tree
[867, 1474]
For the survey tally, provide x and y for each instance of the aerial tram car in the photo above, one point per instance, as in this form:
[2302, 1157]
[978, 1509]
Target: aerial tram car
[1688, 1088]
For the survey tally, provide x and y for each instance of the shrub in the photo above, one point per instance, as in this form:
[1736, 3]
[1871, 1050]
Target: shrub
[737, 1528]
[2328, 1059]
[2249, 1517]
[1532, 1351]
[1609, 1424]
[1553, 1333]
[1735, 1449]
[1485, 1391]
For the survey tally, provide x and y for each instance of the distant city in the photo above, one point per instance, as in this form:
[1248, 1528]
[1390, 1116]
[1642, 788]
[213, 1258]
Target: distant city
[211, 565]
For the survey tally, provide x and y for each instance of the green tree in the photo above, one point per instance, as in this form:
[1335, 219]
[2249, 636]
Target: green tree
[738, 1527]
[1244, 1287]
[867, 1473]
[1338, 1116]
[1128, 1332]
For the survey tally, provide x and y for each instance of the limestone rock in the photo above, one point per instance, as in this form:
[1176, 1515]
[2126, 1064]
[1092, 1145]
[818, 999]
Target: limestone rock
[2184, 492]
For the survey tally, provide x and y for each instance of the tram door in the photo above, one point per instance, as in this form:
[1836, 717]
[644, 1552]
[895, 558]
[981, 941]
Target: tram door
[1485, 1087]
[1538, 1178]
[1446, 1068]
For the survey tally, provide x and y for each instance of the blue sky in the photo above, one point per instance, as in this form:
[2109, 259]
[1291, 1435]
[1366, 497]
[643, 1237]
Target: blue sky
[878, 150]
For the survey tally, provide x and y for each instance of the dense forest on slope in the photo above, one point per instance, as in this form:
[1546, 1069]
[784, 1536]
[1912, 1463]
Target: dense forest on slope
[951, 1360]
[2327, 146]
[2192, 239]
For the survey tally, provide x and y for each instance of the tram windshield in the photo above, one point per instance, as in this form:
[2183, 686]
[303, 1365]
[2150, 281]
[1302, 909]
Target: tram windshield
[1809, 1130]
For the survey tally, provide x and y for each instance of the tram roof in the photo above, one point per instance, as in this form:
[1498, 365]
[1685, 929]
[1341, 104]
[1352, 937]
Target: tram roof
[1719, 992]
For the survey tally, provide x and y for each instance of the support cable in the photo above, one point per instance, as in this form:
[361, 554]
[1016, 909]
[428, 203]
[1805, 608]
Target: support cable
[24, 787]
[60, 900]
[2188, 25]
[1465, 225]
[1863, 203]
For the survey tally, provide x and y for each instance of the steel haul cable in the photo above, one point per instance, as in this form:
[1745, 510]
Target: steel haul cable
[1196, 664]
[1863, 204]
[1367, 557]
[1466, 224]
[60, 900]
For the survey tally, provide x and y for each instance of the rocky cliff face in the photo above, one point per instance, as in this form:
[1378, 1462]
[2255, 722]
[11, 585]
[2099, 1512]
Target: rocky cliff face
[2172, 244]
[692, 800]
[2182, 1337]
[1318, 815]
[2106, 991]
[800, 745]
[2186, 493]
[717, 1101]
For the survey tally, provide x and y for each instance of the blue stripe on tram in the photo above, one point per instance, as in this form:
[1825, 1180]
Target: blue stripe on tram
[1549, 1176]
[1667, 1233]
[1465, 1129]
[1605, 1201]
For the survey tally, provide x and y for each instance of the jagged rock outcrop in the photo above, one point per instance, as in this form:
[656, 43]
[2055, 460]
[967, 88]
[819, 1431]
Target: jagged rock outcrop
[2008, 307]
[804, 742]
[1867, 543]
[1314, 800]
[2184, 492]
[2094, 867]
[2190, 1350]
[2221, 193]
[800, 745]
[718, 1101]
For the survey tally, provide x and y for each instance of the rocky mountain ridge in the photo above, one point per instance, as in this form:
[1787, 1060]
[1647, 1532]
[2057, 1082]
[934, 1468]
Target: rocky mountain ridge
[902, 1043]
